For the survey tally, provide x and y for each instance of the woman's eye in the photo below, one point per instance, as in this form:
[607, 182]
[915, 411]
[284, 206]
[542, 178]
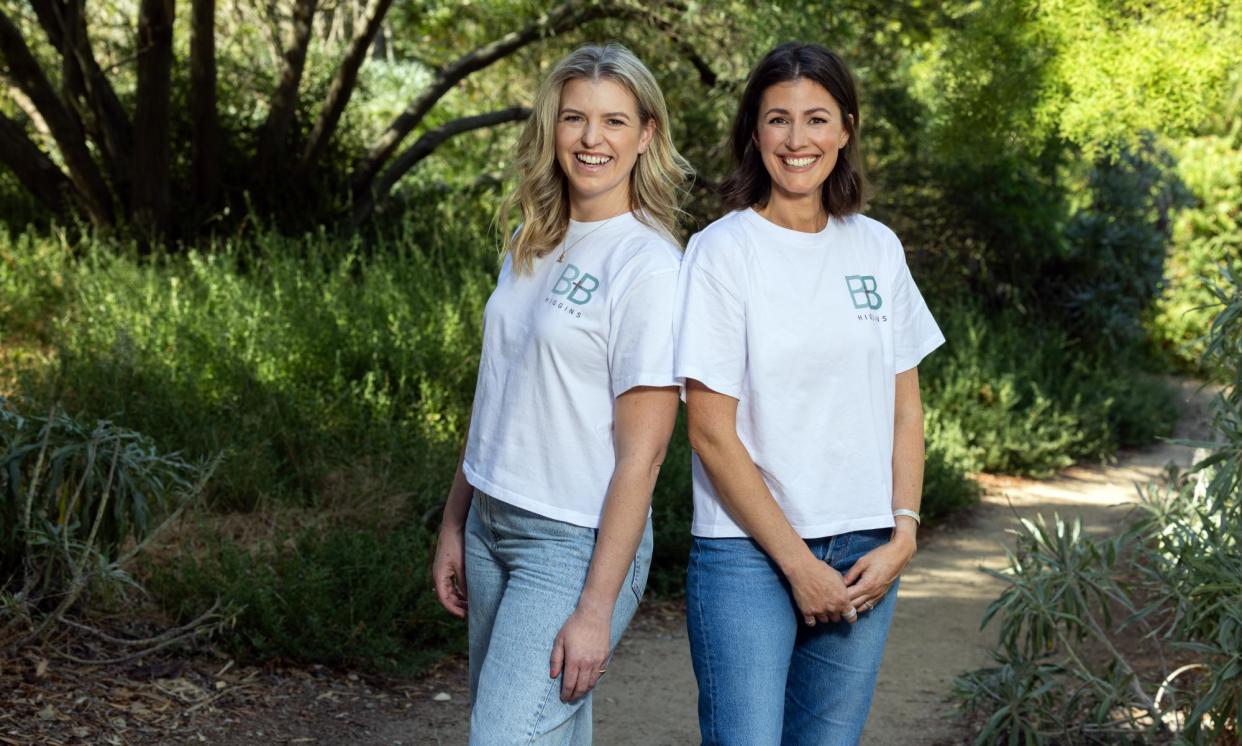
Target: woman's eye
[571, 118]
[776, 120]
[616, 122]
[818, 120]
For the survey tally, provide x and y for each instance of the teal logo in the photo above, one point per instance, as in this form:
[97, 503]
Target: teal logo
[577, 286]
[862, 291]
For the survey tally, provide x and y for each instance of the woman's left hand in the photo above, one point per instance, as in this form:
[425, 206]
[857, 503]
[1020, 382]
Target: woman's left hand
[580, 651]
[872, 575]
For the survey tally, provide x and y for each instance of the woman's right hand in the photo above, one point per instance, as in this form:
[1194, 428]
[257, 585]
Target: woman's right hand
[820, 592]
[449, 570]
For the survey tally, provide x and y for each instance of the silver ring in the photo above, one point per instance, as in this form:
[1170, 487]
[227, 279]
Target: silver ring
[851, 613]
[869, 605]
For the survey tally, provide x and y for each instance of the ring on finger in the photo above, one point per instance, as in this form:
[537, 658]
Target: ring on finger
[869, 605]
[852, 613]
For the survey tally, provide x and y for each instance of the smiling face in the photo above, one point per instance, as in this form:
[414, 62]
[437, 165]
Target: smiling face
[799, 134]
[599, 136]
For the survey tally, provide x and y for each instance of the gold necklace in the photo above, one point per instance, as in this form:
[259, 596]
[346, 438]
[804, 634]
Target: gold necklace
[560, 259]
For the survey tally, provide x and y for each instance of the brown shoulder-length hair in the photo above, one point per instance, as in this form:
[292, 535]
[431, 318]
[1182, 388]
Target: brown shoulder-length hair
[750, 184]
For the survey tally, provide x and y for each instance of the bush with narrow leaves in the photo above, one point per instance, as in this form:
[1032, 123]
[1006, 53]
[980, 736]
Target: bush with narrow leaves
[77, 503]
[1067, 670]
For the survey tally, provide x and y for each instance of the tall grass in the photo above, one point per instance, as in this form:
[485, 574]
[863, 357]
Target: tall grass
[34, 272]
[345, 595]
[296, 358]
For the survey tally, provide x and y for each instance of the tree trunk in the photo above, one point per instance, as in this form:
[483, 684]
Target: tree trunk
[32, 167]
[205, 126]
[272, 137]
[342, 87]
[564, 17]
[61, 121]
[88, 87]
[116, 135]
[152, 149]
[424, 146]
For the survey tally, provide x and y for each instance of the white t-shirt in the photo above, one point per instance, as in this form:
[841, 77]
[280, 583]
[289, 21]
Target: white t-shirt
[559, 346]
[807, 331]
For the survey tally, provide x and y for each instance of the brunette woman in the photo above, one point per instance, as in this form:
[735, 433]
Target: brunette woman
[799, 335]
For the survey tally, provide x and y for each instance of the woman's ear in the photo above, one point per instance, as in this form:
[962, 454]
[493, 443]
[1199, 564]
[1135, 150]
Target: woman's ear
[644, 139]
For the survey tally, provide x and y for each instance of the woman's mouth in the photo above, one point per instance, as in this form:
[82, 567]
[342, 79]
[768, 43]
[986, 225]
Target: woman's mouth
[799, 162]
[592, 159]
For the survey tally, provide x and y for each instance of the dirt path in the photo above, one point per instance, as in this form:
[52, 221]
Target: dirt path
[650, 694]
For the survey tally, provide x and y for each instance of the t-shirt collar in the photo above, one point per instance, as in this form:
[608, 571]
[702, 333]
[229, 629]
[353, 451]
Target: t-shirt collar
[582, 226]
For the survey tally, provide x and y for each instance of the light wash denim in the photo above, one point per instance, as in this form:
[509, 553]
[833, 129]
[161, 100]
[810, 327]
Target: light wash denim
[524, 574]
[765, 678]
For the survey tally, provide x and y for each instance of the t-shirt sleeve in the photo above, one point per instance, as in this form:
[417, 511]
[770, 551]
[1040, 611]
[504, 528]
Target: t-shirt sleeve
[711, 329]
[915, 333]
[640, 337]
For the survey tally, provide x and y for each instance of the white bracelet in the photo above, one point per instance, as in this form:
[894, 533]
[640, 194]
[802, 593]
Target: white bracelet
[911, 513]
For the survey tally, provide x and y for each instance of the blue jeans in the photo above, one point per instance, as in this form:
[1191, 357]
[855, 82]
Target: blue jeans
[524, 574]
[765, 678]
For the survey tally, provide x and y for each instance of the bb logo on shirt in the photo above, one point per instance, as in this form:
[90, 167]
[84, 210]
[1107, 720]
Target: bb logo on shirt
[862, 291]
[577, 286]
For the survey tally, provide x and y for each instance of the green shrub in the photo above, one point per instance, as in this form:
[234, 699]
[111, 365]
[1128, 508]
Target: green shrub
[1206, 237]
[297, 358]
[340, 595]
[18, 208]
[1080, 616]
[946, 487]
[34, 276]
[1066, 593]
[77, 502]
[1111, 270]
[1074, 244]
[671, 509]
[1009, 395]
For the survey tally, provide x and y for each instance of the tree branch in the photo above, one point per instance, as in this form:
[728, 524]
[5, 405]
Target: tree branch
[707, 76]
[32, 112]
[64, 22]
[32, 167]
[280, 115]
[342, 87]
[564, 17]
[61, 121]
[425, 145]
[197, 626]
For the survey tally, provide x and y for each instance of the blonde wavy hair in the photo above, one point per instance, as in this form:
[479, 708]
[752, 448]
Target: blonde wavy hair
[542, 197]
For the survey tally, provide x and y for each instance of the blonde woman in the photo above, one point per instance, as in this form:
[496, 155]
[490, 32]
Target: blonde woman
[546, 537]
